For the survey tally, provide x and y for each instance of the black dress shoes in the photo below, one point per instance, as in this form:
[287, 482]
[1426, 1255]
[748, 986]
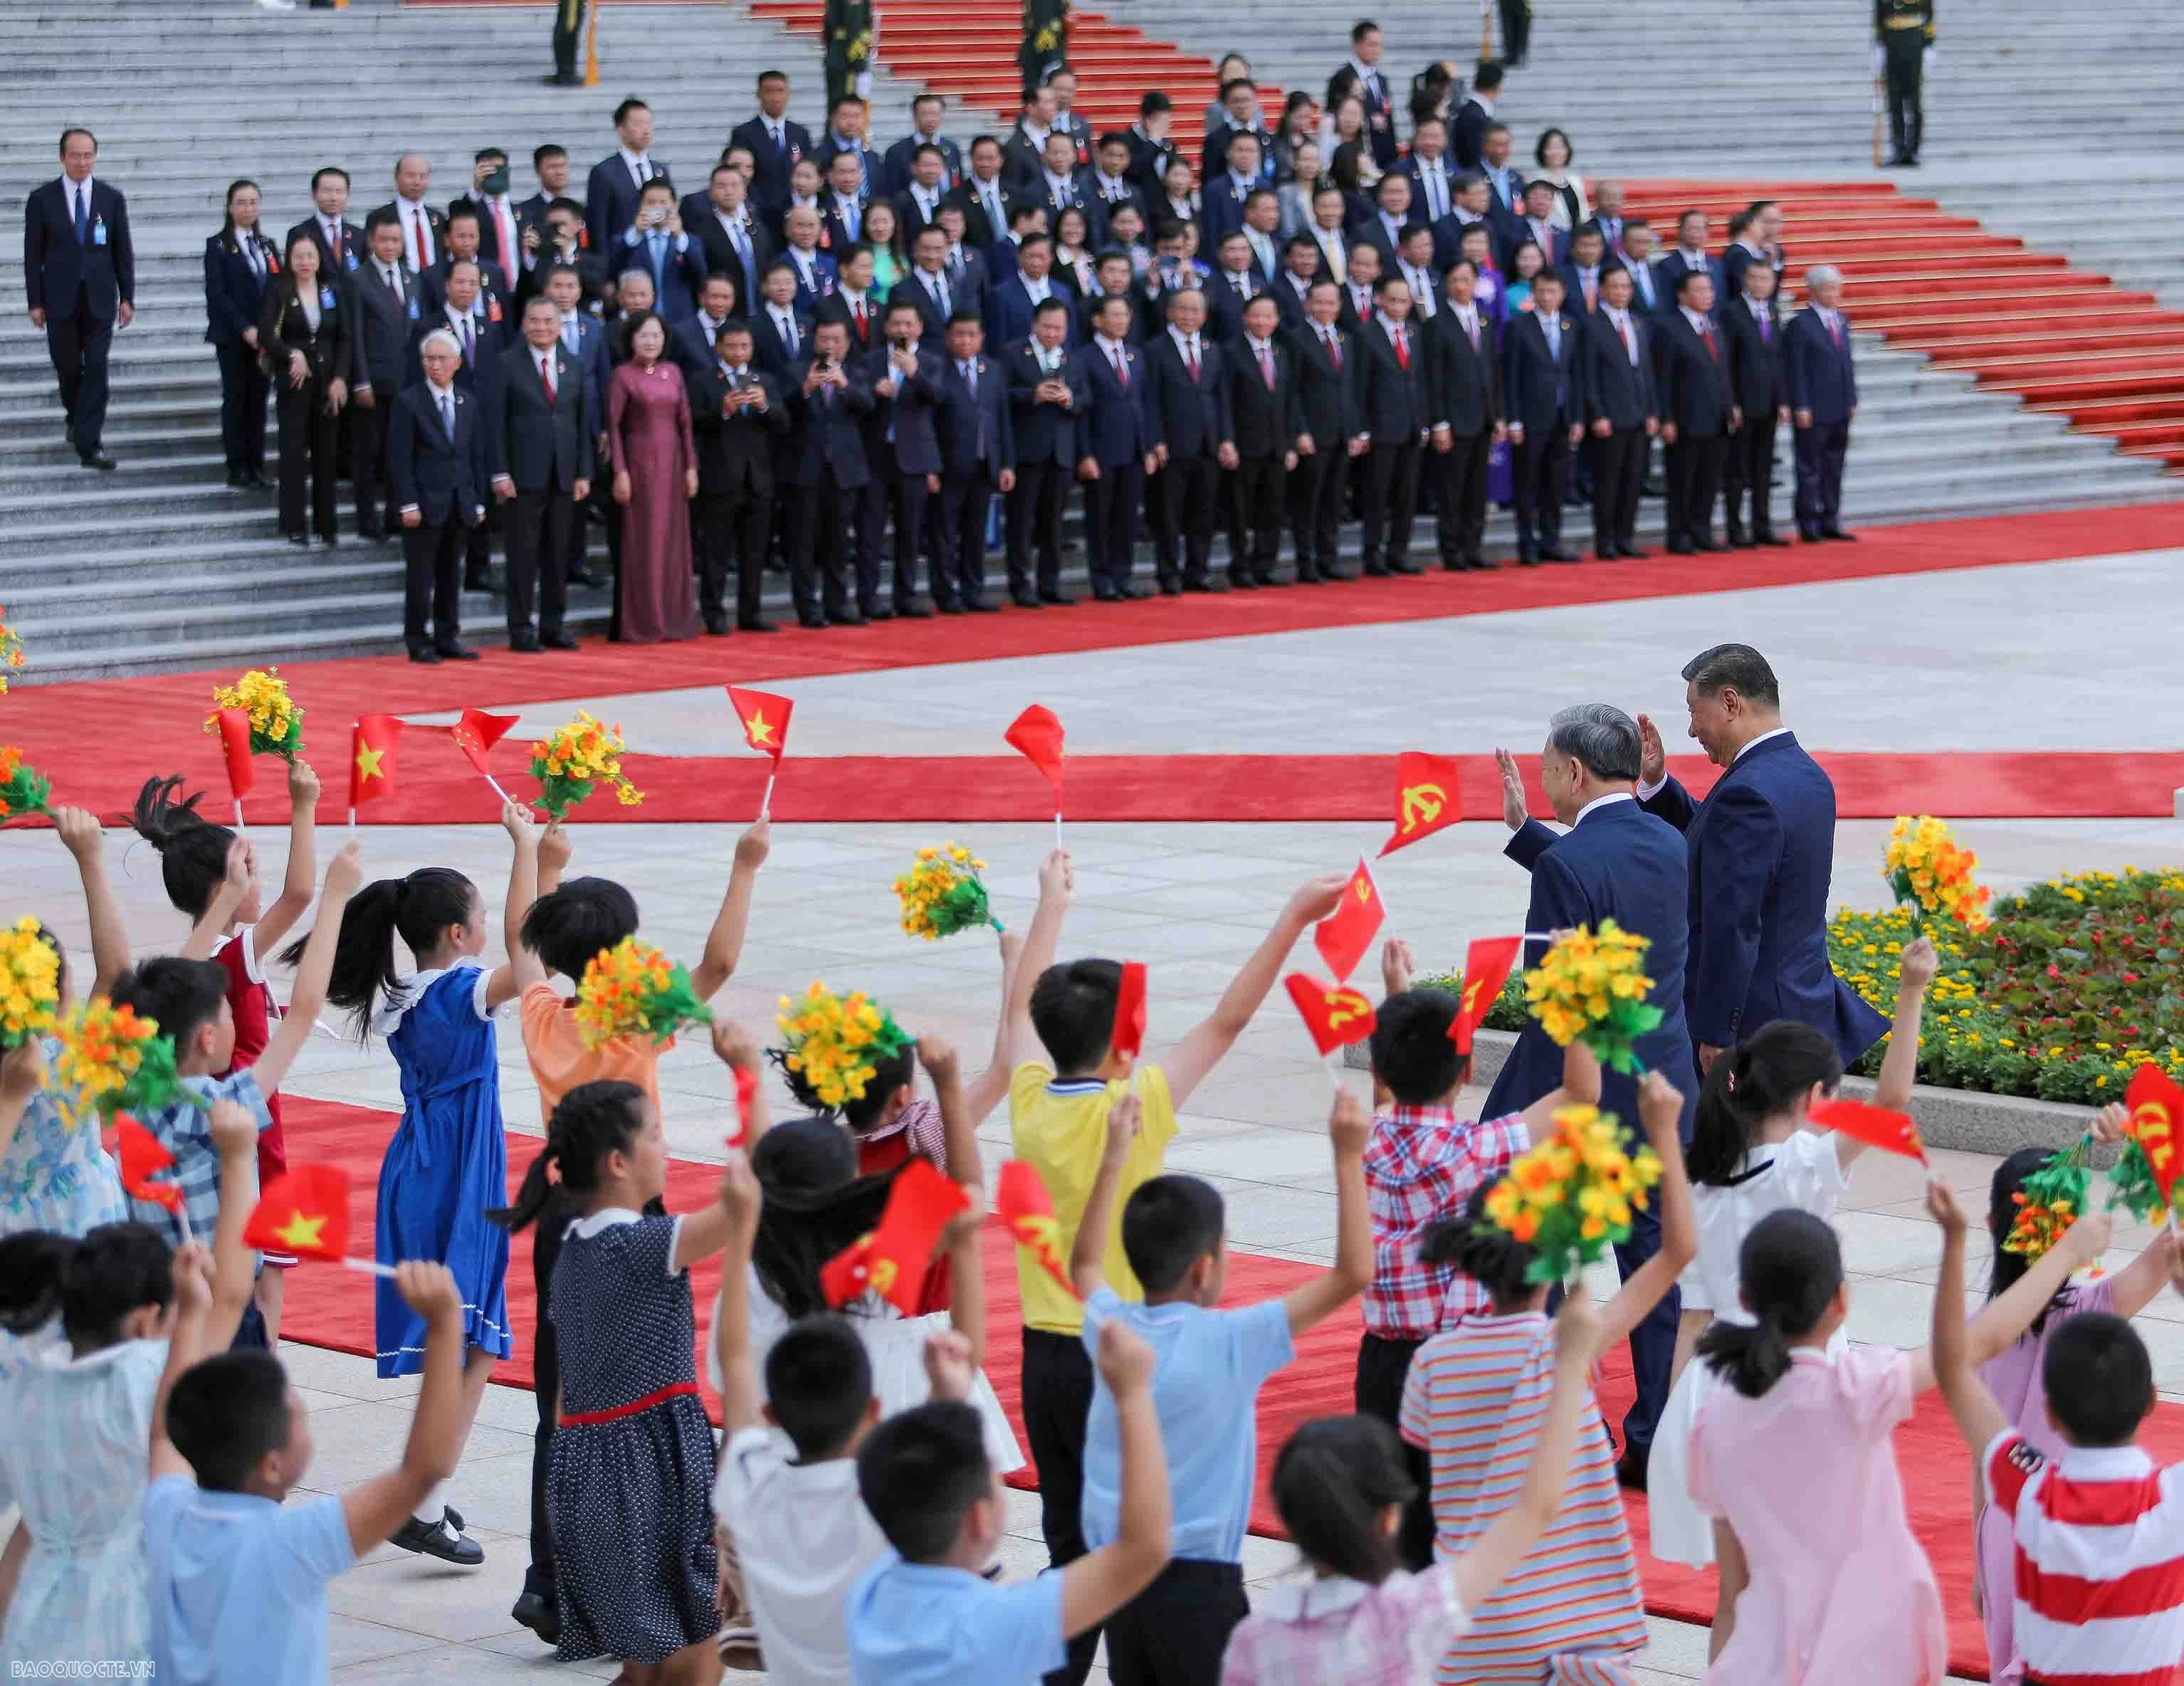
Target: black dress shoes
[1770, 540]
[1212, 586]
[979, 606]
[98, 459]
[457, 650]
[912, 611]
[1024, 600]
[758, 625]
[559, 640]
[425, 655]
[524, 643]
[1058, 599]
[1555, 553]
[1838, 535]
[1131, 594]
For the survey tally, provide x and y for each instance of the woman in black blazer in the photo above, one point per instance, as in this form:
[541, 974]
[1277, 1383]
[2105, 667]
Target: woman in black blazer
[303, 339]
[239, 263]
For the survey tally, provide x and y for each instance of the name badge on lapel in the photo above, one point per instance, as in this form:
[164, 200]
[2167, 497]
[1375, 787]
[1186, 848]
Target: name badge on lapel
[352, 263]
[412, 308]
[326, 298]
[98, 231]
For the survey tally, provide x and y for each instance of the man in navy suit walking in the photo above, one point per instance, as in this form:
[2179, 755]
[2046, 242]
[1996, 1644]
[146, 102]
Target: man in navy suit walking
[81, 272]
[1616, 861]
[1762, 852]
[1823, 403]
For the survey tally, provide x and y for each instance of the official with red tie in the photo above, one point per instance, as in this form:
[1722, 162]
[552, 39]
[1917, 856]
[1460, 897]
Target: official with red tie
[1397, 413]
[1622, 413]
[424, 230]
[1698, 411]
[1263, 412]
[1464, 367]
[1194, 442]
[1327, 398]
[1760, 383]
[1115, 441]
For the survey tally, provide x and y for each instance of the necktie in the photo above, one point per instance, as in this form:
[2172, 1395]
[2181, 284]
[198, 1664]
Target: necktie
[470, 349]
[658, 246]
[859, 308]
[506, 224]
[1766, 328]
[643, 173]
[1471, 327]
[787, 324]
[1435, 187]
[1553, 327]
[1707, 334]
[1267, 367]
[994, 217]
[742, 243]
[938, 285]
[1630, 345]
[417, 228]
[82, 215]
[569, 336]
[1122, 368]
[779, 142]
[1835, 331]
[826, 397]
[849, 218]
[1334, 348]
[447, 413]
[333, 241]
[250, 251]
[546, 375]
[1402, 348]
[1592, 293]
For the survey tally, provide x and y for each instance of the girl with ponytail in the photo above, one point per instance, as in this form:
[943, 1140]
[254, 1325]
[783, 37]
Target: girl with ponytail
[448, 1163]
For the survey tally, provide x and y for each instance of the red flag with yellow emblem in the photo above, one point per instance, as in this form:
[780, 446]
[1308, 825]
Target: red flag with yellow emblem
[1877, 1126]
[372, 760]
[1334, 1014]
[892, 1261]
[142, 1157]
[1425, 797]
[305, 1211]
[765, 717]
[1486, 964]
[2156, 1105]
[1346, 936]
[1021, 1198]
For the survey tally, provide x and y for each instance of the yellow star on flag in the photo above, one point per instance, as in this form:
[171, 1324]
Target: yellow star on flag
[761, 731]
[302, 1233]
[367, 761]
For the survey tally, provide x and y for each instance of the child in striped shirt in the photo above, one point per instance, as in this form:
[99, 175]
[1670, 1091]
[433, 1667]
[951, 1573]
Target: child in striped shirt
[1477, 1400]
[2098, 1531]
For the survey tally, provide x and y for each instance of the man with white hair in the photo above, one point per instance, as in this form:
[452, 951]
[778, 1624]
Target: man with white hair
[1823, 403]
[436, 458]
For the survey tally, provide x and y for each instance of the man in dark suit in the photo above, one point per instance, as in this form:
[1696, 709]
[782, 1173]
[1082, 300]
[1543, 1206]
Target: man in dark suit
[561, 246]
[550, 163]
[1689, 255]
[781, 333]
[1292, 288]
[1062, 183]
[694, 342]
[1112, 184]
[1115, 441]
[459, 244]
[1758, 377]
[657, 243]
[1698, 411]
[1762, 850]
[1013, 305]
[1228, 185]
[730, 240]
[824, 465]
[342, 244]
[1621, 412]
[1464, 366]
[424, 227]
[1649, 293]
[1823, 401]
[1546, 418]
[1373, 89]
[1195, 440]
[917, 201]
[845, 137]
[1396, 405]
[1264, 412]
[740, 417]
[1615, 861]
[902, 452]
[977, 451]
[774, 142]
[1024, 154]
[928, 111]
[927, 287]
[1475, 116]
[480, 337]
[439, 460]
[1383, 231]
[81, 272]
[540, 454]
[501, 230]
[1236, 280]
[984, 194]
[383, 306]
[612, 191]
[1152, 151]
[1428, 168]
[1046, 391]
[1582, 269]
[1327, 402]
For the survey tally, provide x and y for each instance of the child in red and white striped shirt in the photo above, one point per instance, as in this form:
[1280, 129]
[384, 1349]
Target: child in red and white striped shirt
[2099, 1531]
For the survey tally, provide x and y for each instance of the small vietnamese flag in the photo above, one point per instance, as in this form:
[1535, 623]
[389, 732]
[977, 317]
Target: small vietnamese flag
[143, 1156]
[1129, 1033]
[477, 731]
[305, 1212]
[1486, 964]
[918, 1209]
[1877, 1126]
[1335, 1015]
[372, 760]
[1425, 797]
[746, 1092]
[765, 718]
[1022, 1202]
[234, 744]
[1037, 735]
[2156, 1110]
[1344, 936]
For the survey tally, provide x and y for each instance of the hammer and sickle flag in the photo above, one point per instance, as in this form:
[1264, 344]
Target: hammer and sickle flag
[2156, 1105]
[1020, 1199]
[1486, 964]
[1335, 1015]
[1425, 797]
[1346, 936]
[304, 1211]
[1877, 1126]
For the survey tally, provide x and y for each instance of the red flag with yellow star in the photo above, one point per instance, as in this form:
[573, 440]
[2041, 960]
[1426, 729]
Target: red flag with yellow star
[918, 1209]
[304, 1212]
[1486, 964]
[1425, 797]
[765, 718]
[849, 1273]
[372, 760]
[477, 731]
[1877, 1126]
[1336, 1013]
[1037, 735]
[143, 1157]
[2156, 1105]
[1022, 1202]
[1344, 936]
[235, 745]
[1129, 1034]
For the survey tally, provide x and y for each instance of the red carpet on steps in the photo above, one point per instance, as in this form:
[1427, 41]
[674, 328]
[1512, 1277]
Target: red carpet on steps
[329, 1307]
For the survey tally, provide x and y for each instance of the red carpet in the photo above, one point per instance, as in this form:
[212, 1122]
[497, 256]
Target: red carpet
[332, 1308]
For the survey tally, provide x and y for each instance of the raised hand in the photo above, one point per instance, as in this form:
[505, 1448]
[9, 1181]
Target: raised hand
[1652, 758]
[1516, 806]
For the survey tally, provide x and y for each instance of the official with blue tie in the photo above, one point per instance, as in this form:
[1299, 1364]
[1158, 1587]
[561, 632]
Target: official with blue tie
[1616, 861]
[80, 269]
[659, 244]
[1762, 852]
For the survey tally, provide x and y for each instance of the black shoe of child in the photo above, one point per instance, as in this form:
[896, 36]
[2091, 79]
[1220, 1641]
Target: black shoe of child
[444, 1539]
[539, 1613]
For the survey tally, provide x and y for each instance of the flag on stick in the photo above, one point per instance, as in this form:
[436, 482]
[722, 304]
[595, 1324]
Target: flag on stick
[1334, 1015]
[1425, 797]
[1344, 936]
[1021, 1201]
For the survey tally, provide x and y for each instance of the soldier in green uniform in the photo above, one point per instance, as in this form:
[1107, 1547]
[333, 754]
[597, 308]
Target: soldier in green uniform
[1902, 30]
[568, 24]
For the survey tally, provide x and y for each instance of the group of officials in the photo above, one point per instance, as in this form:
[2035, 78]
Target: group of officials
[882, 344]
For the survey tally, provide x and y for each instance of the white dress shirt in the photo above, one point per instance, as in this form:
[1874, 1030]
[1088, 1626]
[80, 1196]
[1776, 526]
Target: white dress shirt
[638, 164]
[1646, 792]
[74, 189]
[1606, 801]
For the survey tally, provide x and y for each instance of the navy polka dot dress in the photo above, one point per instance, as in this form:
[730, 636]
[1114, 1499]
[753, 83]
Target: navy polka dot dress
[630, 1496]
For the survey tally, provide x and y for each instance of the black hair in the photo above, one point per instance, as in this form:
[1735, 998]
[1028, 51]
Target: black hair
[320, 174]
[1073, 1009]
[1051, 306]
[2002, 1217]
[622, 112]
[920, 1472]
[1539, 148]
[661, 182]
[1169, 1223]
[890, 1071]
[540, 155]
[1411, 1048]
[466, 210]
[1333, 1478]
[1684, 285]
[1762, 1076]
[1361, 29]
[91, 1284]
[1482, 1249]
[814, 1205]
[555, 270]
[382, 218]
[904, 302]
[1736, 667]
[819, 1382]
[1154, 102]
[192, 850]
[1790, 1266]
[1487, 77]
[484, 153]
[178, 995]
[419, 908]
[227, 200]
[2098, 1379]
[927, 99]
[1461, 264]
[592, 1120]
[568, 926]
[566, 204]
[225, 1413]
[77, 129]
[766, 76]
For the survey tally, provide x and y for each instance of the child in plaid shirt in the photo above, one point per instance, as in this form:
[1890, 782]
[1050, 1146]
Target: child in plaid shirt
[1423, 1163]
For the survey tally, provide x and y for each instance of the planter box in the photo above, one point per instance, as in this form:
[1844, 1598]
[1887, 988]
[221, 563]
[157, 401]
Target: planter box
[1962, 1119]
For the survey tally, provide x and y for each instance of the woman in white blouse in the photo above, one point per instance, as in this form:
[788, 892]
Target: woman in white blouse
[1552, 155]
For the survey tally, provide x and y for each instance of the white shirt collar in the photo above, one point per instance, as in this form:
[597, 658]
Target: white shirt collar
[76, 187]
[631, 161]
[1039, 288]
[1182, 341]
[1606, 801]
[1258, 346]
[2103, 1463]
[1108, 346]
[584, 1228]
[413, 205]
[1698, 319]
[1306, 1597]
[1778, 732]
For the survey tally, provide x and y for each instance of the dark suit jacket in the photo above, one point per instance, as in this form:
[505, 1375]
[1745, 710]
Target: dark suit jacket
[435, 225]
[381, 352]
[233, 292]
[590, 282]
[1621, 863]
[912, 289]
[1326, 397]
[1266, 423]
[492, 298]
[1224, 305]
[1371, 231]
[598, 369]
[1615, 387]
[768, 350]
[1379, 105]
[912, 412]
[540, 447]
[1417, 168]
[1190, 417]
[1466, 384]
[1762, 848]
[690, 345]
[1292, 302]
[1735, 261]
[1466, 133]
[896, 165]
[1545, 391]
[610, 196]
[719, 251]
[978, 228]
[909, 214]
[1645, 276]
[834, 235]
[510, 263]
[825, 274]
[830, 147]
[975, 434]
[439, 477]
[1671, 269]
[1115, 427]
[1574, 287]
[1112, 200]
[1694, 387]
[828, 434]
[489, 338]
[351, 258]
[1220, 211]
[1044, 432]
[1395, 402]
[282, 328]
[679, 278]
[736, 453]
[1010, 310]
[770, 181]
[835, 308]
[1822, 377]
[1079, 192]
[1757, 374]
[59, 272]
[1150, 159]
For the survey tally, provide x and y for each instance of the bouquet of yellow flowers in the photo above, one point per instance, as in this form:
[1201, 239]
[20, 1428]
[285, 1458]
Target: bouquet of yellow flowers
[30, 982]
[1571, 1197]
[11, 650]
[1591, 988]
[276, 719]
[576, 759]
[633, 989]
[113, 1061]
[943, 894]
[23, 788]
[1931, 874]
[833, 1043]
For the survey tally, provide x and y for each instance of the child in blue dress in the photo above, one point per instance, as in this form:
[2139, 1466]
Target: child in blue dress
[448, 1164]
